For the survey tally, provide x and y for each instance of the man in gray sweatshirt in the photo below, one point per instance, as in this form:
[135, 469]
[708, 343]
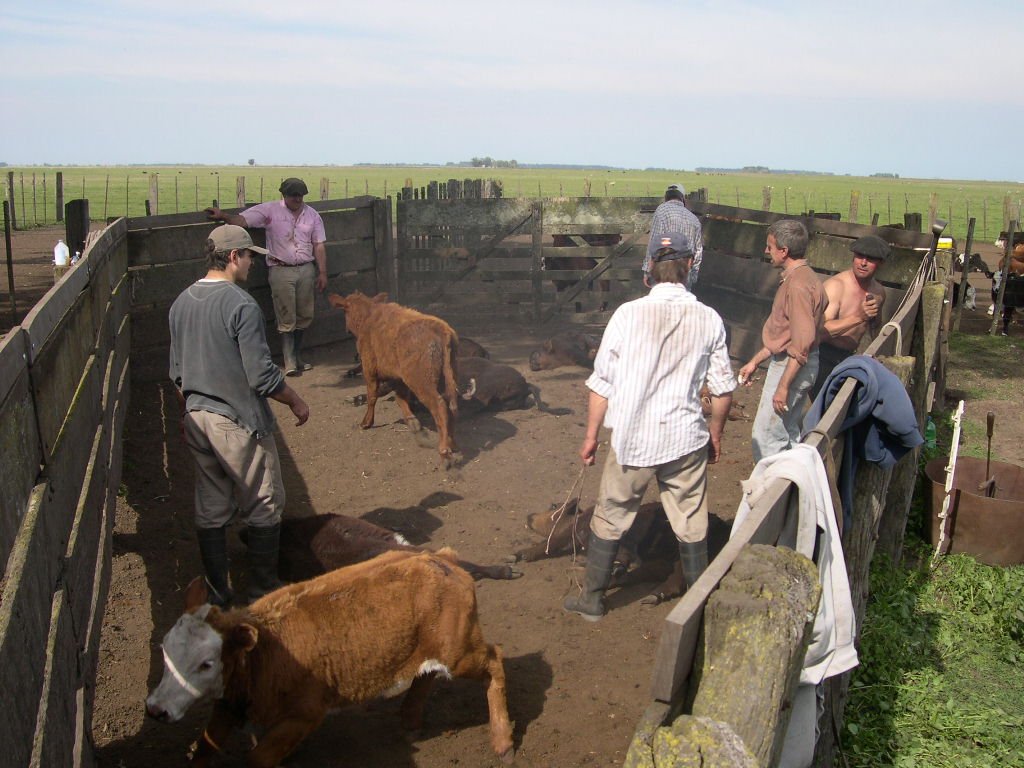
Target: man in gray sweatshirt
[221, 366]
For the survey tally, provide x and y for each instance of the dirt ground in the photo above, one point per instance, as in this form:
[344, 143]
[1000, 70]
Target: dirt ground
[575, 689]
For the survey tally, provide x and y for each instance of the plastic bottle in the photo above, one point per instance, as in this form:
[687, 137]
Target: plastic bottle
[76, 257]
[61, 254]
[929, 434]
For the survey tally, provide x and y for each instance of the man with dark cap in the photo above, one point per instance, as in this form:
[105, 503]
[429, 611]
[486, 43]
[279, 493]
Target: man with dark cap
[655, 355]
[855, 299]
[295, 240]
[673, 216]
[221, 367]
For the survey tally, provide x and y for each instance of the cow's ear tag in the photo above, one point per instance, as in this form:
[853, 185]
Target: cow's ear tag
[245, 636]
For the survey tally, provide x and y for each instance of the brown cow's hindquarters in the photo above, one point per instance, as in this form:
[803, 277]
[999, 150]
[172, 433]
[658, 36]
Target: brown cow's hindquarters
[600, 558]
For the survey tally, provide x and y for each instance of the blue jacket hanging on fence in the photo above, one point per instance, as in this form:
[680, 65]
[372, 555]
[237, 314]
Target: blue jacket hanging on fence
[880, 425]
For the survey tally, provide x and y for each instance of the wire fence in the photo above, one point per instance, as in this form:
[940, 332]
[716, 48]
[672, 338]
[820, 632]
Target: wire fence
[37, 197]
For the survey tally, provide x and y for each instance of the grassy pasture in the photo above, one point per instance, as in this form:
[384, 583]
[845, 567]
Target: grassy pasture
[123, 190]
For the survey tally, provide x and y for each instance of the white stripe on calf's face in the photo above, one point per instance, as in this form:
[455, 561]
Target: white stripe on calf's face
[192, 668]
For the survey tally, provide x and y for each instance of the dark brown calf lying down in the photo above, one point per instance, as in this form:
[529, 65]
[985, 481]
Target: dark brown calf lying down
[314, 545]
[649, 552]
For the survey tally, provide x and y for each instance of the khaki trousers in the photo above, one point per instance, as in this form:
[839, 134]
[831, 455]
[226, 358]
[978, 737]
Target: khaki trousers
[232, 465]
[683, 487]
[294, 295]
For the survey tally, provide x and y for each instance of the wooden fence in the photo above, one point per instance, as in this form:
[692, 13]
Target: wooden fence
[63, 400]
[166, 255]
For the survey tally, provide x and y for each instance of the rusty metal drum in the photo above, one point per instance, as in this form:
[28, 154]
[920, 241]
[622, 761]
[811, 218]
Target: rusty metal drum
[990, 529]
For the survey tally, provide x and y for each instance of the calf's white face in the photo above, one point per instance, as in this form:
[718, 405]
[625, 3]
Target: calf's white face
[192, 667]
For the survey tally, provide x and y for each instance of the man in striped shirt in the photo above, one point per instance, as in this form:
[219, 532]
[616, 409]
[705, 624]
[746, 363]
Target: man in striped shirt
[674, 216]
[656, 354]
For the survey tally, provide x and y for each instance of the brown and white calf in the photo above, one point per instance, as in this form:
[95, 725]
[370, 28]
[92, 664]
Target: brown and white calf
[391, 624]
[414, 352]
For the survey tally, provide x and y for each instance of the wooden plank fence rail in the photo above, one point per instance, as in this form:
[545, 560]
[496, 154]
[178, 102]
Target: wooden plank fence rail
[63, 394]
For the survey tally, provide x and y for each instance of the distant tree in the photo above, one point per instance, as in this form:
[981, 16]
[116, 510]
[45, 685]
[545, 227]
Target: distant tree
[252, 161]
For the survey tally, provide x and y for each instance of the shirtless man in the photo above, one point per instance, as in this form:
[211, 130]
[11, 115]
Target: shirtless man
[855, 298]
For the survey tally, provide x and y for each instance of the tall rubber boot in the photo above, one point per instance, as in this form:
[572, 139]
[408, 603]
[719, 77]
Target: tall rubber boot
[213, 551]
[291, 363]
[694, 557]
[301, 364]
[600, 557]
[264, 543]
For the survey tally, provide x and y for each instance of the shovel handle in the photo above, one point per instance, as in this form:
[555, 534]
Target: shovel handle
[991, 423]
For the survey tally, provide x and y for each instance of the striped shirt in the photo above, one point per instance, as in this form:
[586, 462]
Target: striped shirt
[673, 216]
[656, 354]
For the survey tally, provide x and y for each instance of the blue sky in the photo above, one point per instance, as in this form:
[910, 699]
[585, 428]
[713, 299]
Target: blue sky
[923, 89]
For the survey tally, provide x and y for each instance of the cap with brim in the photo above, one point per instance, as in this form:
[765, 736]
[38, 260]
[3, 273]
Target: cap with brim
[678, 187]
[233, 238]
[672, 246]
[871, 246]
[293, 186]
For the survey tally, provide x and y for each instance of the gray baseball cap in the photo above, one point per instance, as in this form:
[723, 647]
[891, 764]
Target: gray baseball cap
[233, 238]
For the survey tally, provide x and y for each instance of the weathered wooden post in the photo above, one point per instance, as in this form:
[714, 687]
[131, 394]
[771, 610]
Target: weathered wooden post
[997, 311]
[965, 272]
[76, 224]
[10, 199]
[10, 263]
[240, 191]
[154, 194]
[58, 194]
[869, 501]
[756, 633]
[536, 251]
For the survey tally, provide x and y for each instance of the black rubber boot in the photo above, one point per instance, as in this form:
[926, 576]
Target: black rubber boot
[600, 558]
[694, 557]
[264, 543]
[301, 364]
[213, 550]
[291, 363]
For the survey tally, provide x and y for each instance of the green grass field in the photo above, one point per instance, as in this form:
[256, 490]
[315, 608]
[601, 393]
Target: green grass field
[123, 190]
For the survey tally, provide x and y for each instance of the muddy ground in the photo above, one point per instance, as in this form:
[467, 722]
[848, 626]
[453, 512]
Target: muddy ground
[575, 689]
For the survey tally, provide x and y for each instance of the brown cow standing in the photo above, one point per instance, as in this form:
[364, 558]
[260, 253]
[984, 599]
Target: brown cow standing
[414, 352]
[314, 545]
[382, 627]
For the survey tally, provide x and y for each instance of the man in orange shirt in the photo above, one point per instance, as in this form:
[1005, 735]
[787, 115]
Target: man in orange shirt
[790, 339]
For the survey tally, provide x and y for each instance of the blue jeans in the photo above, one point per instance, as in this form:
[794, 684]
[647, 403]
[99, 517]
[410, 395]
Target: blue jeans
[772, 433]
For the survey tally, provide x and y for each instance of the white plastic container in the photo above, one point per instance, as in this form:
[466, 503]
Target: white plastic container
[61, 254]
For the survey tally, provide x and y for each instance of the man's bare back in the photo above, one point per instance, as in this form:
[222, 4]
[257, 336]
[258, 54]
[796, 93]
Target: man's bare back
[855, 299]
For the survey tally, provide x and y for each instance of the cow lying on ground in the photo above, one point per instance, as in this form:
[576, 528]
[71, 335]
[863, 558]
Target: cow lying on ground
[565, 348]
[498, 387]
[737, 411]
[314, 545]
[649, 552]
[414, 352]
[379, 628]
